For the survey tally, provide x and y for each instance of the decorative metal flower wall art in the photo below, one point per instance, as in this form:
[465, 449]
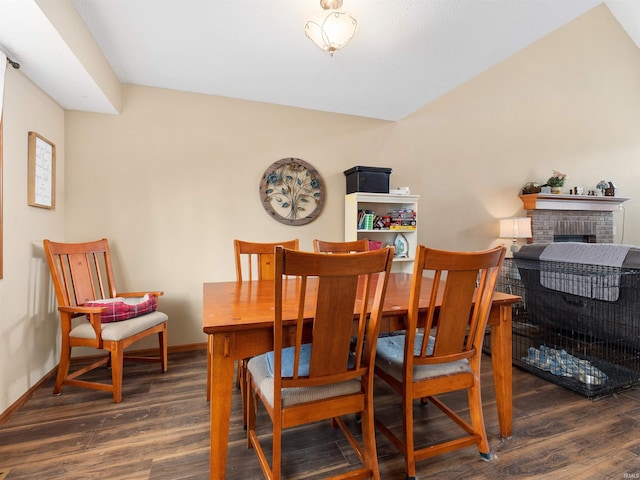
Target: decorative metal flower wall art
[292, 191]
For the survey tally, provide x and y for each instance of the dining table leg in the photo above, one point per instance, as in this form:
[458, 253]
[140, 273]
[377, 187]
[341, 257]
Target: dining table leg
[501, 353]
[221, 384]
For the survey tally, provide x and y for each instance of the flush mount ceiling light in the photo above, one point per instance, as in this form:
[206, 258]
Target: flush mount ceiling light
[332, 28]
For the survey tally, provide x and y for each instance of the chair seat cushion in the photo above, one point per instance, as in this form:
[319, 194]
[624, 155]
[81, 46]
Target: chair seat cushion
[121, 308]
[119, 330]
[287, 361]
[390, 358]
[305, 359]
[262, 374]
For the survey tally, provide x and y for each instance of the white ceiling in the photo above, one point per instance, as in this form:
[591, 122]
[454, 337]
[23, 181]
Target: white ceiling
[405, 53]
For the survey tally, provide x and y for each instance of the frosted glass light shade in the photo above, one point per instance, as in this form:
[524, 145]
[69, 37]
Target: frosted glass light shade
[515, 227]
[331, 29]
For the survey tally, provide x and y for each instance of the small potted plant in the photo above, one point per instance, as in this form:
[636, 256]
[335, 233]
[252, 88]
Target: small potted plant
[556, 181]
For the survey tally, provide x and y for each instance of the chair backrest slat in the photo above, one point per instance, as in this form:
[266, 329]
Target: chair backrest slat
[333, 325]
[455, 312]
[81, 277]
[62, 277]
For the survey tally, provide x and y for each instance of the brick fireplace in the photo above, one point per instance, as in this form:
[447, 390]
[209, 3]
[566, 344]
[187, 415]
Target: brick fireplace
[575, 218]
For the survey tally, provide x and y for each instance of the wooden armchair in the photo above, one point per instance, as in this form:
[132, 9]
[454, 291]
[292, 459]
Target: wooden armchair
[361, 245]
[442, 353]
[82, 275]
[320, 376]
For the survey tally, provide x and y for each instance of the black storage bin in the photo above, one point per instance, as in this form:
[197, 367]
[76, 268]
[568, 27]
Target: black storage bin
[368, 179]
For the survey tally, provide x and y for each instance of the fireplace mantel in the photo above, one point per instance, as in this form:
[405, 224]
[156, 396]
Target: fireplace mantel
[553, 201]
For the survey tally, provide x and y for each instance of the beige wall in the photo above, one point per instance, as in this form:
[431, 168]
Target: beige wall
[29, 345]
[571, 102]
[173, 179]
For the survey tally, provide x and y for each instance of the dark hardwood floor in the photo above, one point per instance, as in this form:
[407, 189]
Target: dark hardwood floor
[160, 432]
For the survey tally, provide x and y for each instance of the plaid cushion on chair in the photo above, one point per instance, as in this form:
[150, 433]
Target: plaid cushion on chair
[121, 308]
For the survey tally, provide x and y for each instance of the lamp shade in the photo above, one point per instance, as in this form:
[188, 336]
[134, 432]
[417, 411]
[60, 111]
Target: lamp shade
[331, 29]
[519, 227]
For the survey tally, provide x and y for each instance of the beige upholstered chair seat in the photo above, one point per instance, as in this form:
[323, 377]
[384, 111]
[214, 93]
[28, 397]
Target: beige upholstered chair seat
[263, 378]
[390, 358]
[120, 330]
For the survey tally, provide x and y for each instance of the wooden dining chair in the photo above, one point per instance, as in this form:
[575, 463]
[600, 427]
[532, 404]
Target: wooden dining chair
[361, 245]
[442, 353]
[93, 313]
[313, 374]
[257, 259]
[258, 263]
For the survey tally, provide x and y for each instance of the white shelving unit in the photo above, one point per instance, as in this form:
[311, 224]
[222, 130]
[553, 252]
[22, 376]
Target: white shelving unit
[381, 204]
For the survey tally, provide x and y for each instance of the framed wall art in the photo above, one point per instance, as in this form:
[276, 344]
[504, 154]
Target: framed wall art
[42, 172]
[292, 191]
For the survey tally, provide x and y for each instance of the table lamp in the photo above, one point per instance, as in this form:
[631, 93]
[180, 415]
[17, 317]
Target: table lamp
[514, 228]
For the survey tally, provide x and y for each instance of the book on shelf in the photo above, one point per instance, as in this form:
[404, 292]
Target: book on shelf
[402, 227]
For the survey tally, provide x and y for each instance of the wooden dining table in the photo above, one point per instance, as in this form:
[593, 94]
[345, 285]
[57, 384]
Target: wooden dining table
[238, 317]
